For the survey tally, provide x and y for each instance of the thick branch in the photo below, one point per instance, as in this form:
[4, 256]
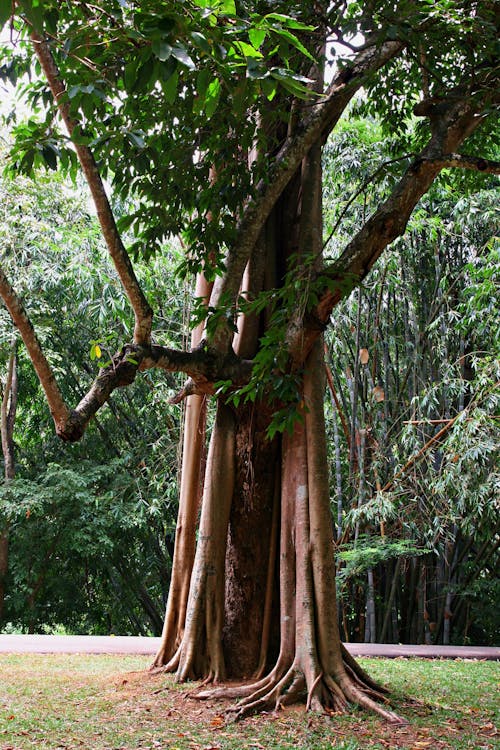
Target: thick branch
[204, 366]
[58, 408]
[142, 310]
[476, 163]
[320, 121]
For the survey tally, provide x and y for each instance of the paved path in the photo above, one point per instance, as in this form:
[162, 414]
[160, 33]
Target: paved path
[120, 644]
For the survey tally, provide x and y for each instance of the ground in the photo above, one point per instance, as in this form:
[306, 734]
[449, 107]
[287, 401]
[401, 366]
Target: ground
[111, 703]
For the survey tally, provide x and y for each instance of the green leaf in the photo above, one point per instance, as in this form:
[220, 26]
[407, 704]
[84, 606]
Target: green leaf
[269, 88]
[161, 49]
[182, 56]
[257, 37]
[129, 76]
[145, 74]
[246, 50]
[167, 69]
[201, 41]
[170, 87]
[288, 21]
[292, 39]
[33, 12]
[202, 82]
[212, 97]
[294, 84]
[228, 7]
[50, 157]
[5, 11]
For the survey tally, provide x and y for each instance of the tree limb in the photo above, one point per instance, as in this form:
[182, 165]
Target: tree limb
[142, 310]
[58, 409]
[461, 161]
[204, 365]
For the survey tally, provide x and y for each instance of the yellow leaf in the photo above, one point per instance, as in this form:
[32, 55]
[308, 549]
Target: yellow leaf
[217, 721]
[98, 352]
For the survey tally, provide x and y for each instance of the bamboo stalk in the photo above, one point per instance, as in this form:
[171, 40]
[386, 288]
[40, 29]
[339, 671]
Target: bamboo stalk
[444, 421]
[422, 451]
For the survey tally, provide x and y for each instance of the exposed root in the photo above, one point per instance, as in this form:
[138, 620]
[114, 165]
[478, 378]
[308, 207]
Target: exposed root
[355, 670]
[268, 698]
[292, 695]
[282, 687]
[364, 701]
[311, 691]
[379, 693]
[338, 699]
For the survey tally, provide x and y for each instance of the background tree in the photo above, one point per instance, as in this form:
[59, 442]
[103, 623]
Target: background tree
[246, 196]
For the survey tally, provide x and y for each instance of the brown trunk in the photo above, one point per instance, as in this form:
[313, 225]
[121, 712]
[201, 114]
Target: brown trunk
[246, 609]
[192, 475]
[312, 661]
[7, 420]
[249, 541]
[201, 649]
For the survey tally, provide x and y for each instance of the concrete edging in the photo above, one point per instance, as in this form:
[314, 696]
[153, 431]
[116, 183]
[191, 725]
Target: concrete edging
[120, 644]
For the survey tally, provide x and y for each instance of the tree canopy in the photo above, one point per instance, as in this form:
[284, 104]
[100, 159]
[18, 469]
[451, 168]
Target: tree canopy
[136, 86]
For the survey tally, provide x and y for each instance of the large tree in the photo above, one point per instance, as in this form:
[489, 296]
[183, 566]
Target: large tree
[209, 119]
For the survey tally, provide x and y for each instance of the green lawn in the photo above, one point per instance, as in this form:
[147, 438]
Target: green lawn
[112, 703]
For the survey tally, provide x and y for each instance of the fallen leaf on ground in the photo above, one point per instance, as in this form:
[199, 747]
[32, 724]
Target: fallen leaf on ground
[217, 721]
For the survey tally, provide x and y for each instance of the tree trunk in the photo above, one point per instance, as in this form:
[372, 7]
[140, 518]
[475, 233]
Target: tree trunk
[251, 606]
[7, 420]
[251, 544]
[192, 473]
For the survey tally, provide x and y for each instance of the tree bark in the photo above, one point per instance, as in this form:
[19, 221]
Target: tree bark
[7, 421]
[192, 477]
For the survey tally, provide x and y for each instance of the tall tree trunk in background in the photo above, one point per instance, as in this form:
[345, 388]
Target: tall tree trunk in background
[7, 419]
[192, 475]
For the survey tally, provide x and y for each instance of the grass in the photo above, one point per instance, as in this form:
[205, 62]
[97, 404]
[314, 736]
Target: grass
[74, 702]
